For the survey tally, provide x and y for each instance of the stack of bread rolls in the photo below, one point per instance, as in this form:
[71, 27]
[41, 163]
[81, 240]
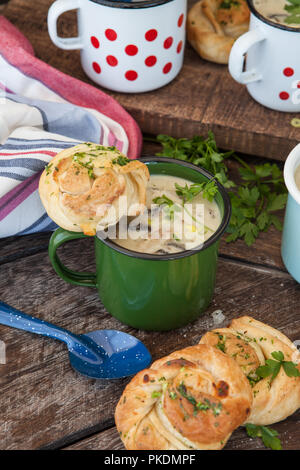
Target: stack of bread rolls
[196, 397]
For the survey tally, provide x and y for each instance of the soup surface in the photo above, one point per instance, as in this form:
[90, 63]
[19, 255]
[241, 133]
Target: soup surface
[274, 10]
[170, 223]
[297, 177]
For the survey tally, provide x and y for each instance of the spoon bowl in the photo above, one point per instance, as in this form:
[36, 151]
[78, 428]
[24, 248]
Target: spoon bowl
[119, 355]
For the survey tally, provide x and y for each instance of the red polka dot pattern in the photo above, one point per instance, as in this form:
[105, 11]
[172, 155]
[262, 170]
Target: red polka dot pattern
[167, 67]
[179, 47]
[298, 85]
[131, 49]
[112, 60]
[151, 35]
[95, 42]
[111, 34]
[288, 72]
[150, 61]
[131, 75]
[284, 95]
[180, 20]
[168, 42]
[96, 67]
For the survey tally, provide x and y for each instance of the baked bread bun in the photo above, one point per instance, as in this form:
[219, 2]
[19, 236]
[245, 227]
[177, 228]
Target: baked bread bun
[192, 399]
[214, 25]
[81, 188]
[251, 343]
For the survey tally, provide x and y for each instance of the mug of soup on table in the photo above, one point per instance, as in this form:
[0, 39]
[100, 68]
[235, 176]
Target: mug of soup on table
[290, 248]
[128, 47]
[271, 71]
[156, 272]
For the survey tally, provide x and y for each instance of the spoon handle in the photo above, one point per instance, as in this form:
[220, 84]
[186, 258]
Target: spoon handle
[10, 316]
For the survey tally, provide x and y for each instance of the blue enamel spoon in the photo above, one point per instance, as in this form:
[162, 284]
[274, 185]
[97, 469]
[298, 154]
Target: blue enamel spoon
[101, 354]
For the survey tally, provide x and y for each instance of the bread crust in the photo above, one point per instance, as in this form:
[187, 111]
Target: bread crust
[82, 186]
[212, 30]
[251, 342]
[191, 399]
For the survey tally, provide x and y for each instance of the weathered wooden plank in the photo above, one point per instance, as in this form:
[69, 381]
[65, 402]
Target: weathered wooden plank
[44, 401]
[202, 97]
[110, 440]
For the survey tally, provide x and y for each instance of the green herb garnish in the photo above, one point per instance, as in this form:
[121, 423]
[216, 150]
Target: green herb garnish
[48, 168]
[155, 394]
[208, 189]
[169, 206]
[227, 4]
[272, 367]
[121, 160]
[268, 435]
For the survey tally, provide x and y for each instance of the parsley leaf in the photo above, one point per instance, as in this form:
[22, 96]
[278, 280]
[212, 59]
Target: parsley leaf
[268, 435]
[272, 368]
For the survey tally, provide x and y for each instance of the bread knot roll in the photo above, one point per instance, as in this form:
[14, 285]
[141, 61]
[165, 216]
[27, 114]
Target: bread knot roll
[192, 399]
[253, 344]
[89, 185]
[214, 25]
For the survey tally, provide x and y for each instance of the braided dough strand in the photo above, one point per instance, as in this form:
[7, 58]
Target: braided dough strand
[192, 399]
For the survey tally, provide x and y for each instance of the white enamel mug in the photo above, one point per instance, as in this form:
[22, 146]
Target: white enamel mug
[128, 47]
[272, 69]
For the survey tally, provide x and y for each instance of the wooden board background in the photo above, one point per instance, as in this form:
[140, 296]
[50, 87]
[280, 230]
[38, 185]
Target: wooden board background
[202, 97]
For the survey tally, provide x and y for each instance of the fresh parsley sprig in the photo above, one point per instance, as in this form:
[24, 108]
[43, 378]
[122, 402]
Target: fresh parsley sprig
[268, 435]
[272, 367]
[254, 202]
[208, 189]
[199, 151]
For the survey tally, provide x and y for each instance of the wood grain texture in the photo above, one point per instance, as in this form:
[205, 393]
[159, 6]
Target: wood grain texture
[45, 403]
[110, 440]
[202, 97]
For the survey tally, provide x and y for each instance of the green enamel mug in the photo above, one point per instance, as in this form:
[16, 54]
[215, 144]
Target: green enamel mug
[146, 291]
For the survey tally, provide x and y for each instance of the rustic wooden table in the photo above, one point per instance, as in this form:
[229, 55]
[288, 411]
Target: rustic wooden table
[44, 403]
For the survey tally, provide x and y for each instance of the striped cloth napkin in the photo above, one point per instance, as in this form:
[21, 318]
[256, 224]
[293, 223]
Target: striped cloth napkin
[43, 111]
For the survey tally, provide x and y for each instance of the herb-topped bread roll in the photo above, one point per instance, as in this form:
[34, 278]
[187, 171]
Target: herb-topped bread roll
[192, 399]
[82, 186]
[214, 25]
[269, 360]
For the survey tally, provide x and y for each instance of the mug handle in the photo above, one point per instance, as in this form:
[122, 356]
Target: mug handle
[59, 237]
[237, 56]
[58, 8]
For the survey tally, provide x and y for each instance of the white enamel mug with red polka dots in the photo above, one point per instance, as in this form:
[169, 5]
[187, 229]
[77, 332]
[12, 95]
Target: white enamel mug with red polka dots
[272, 68]
[128, 47]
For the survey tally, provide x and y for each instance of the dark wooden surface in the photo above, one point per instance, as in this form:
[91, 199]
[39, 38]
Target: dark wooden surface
[44, 404]
[47, 405]
[202, 97]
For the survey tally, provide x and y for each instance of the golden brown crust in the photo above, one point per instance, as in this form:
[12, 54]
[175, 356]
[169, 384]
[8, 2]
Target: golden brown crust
[212, 29]
[192, 399]
[82, 186]
[250, 343]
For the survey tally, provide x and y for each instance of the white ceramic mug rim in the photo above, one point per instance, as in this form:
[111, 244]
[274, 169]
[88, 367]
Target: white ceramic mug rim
[131, 6]
[269, 22]
[292, 162]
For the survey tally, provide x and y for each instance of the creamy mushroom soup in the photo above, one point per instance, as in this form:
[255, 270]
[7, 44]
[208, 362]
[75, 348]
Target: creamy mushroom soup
[177, 218]
[275, 11]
